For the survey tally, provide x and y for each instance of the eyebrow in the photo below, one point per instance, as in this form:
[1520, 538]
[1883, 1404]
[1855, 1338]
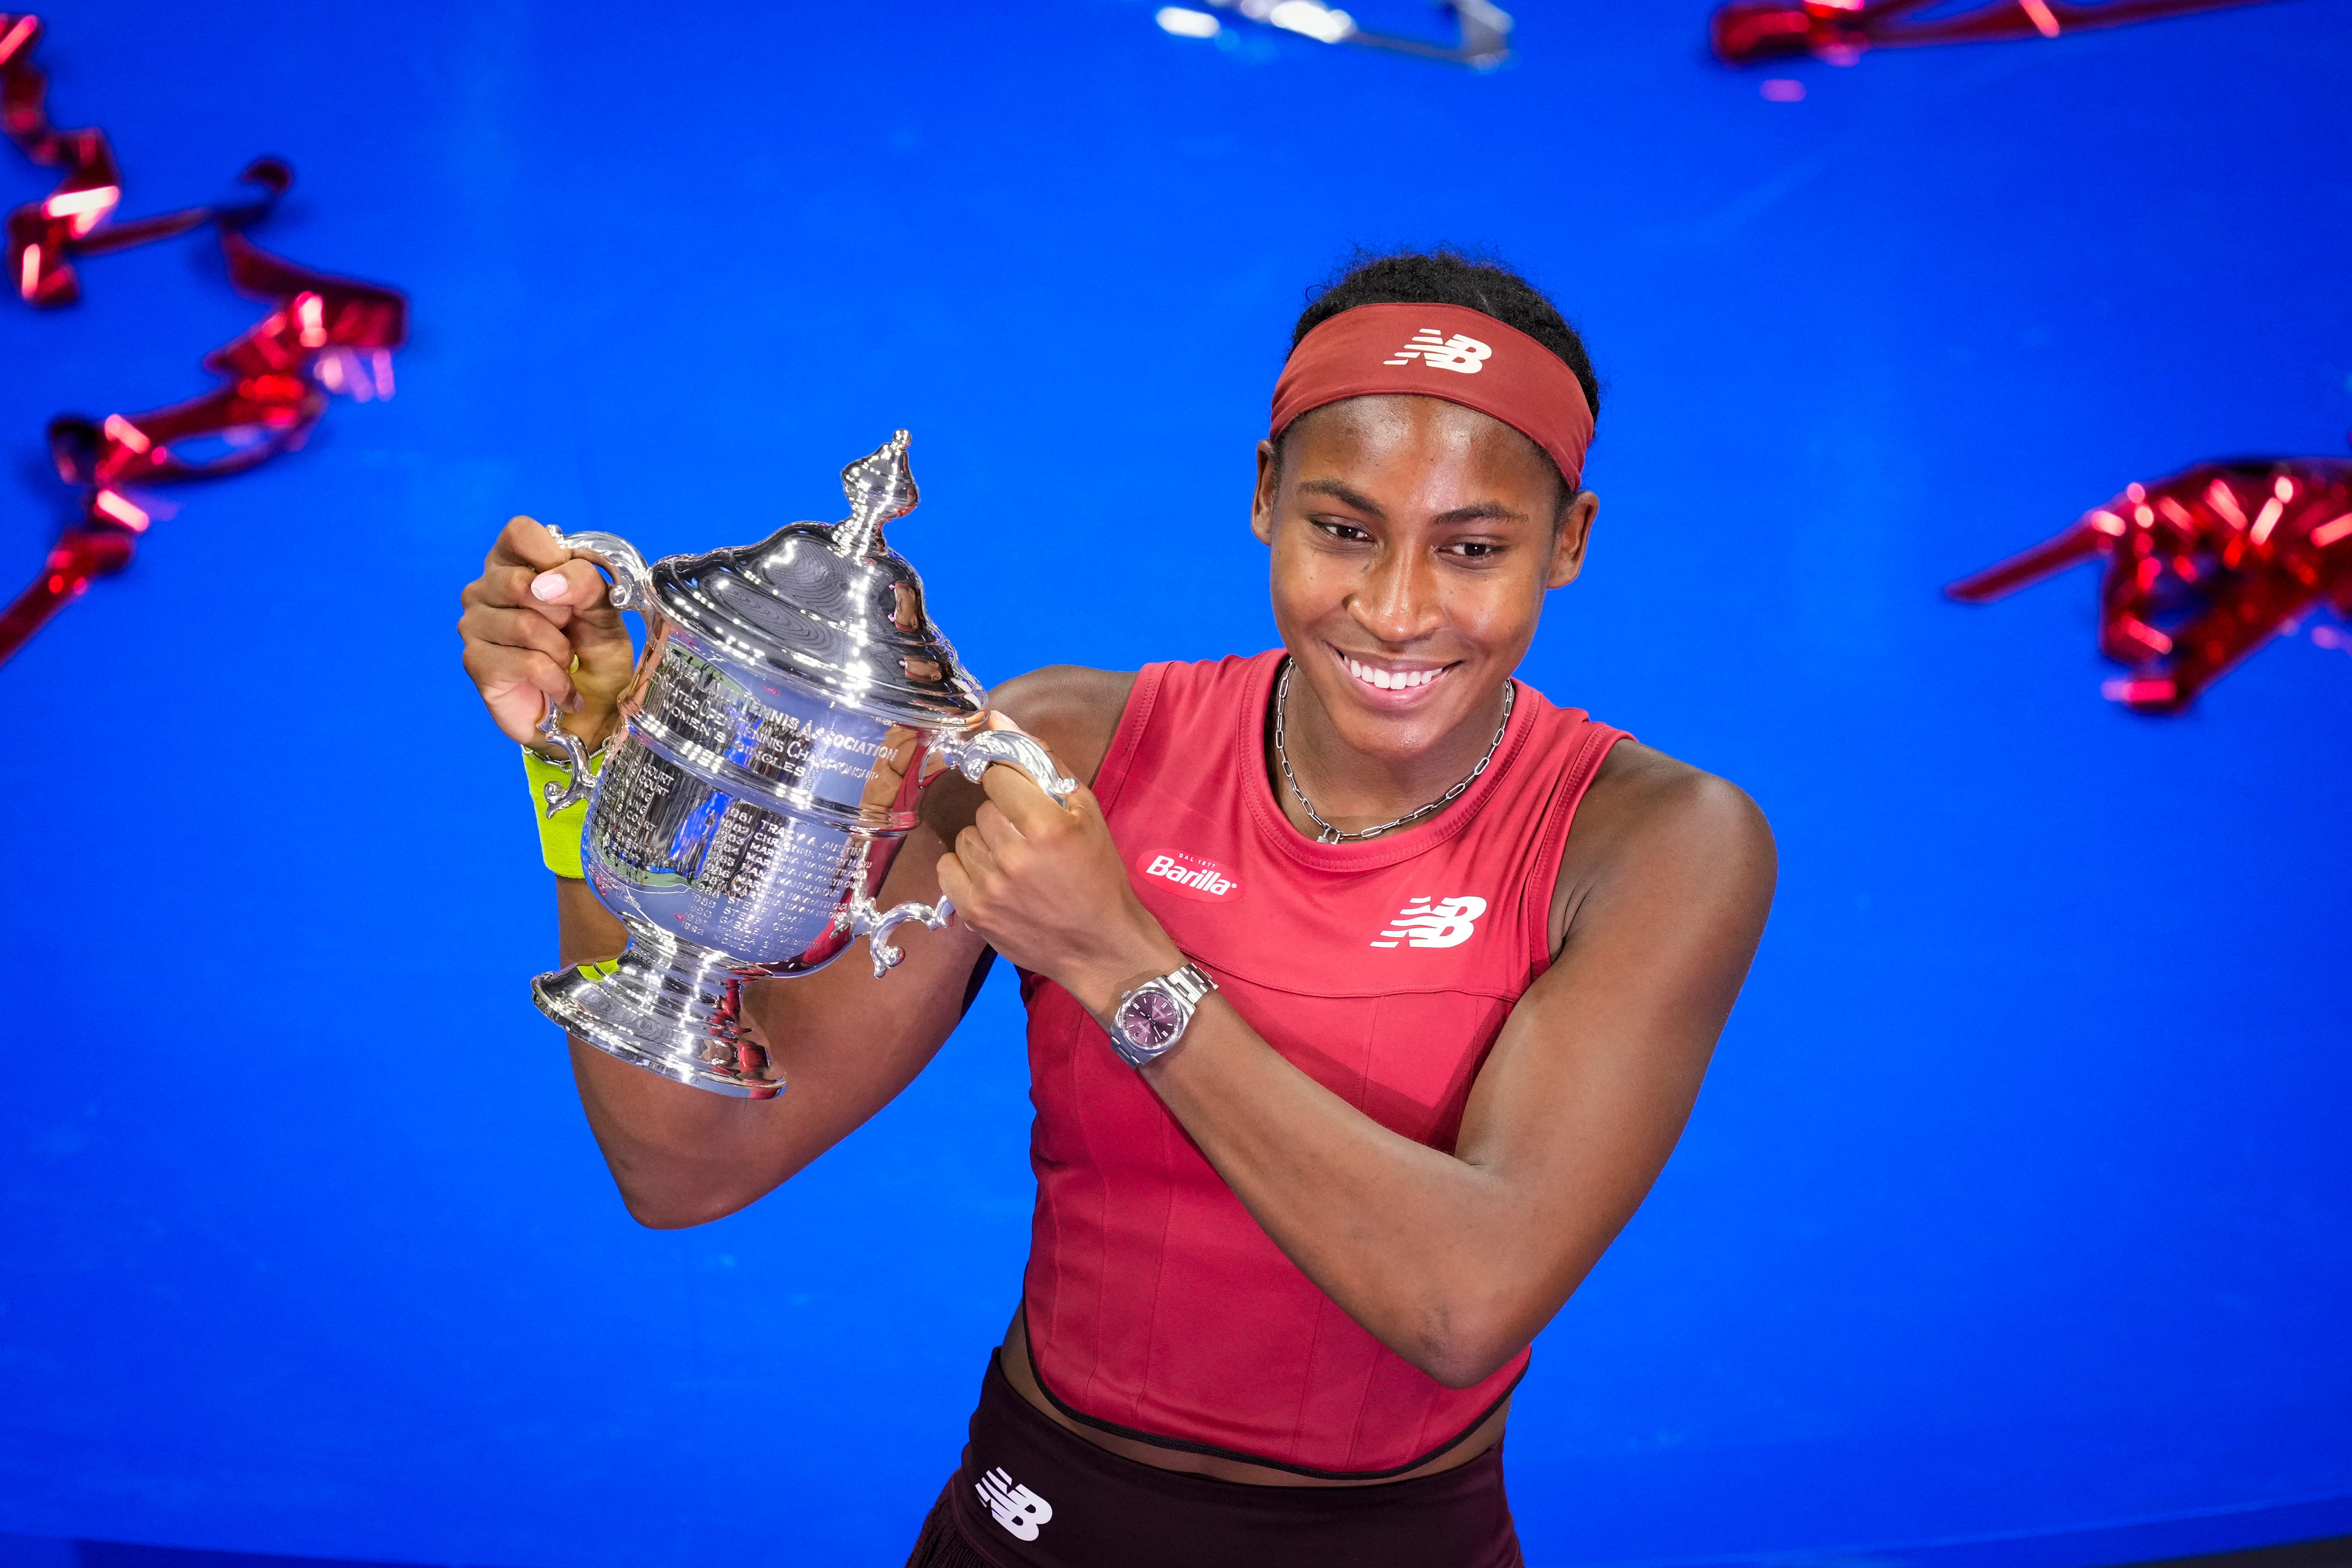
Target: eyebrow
[1337, 491]
[1477, 511]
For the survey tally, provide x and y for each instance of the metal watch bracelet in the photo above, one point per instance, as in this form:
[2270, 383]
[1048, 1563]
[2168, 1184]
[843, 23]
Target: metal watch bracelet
[1150, 1019]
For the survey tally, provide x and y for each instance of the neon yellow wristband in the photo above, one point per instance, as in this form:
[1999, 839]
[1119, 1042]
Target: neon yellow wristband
[560, 835]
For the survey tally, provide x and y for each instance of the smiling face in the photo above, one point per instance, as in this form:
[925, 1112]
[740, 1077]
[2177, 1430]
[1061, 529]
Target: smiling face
[1413, 540]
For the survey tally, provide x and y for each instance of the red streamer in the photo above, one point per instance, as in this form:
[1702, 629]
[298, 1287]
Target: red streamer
[1747, 31]
[327, 334]
[2226, 554]
[72, 220]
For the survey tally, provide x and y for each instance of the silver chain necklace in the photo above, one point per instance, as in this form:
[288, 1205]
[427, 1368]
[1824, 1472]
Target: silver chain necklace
[1331, 834]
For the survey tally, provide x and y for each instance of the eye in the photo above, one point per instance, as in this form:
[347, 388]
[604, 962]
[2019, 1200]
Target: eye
[1475, 549]
[1347, 532]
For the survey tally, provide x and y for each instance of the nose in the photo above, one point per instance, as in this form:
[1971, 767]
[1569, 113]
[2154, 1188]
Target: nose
[1397, 601]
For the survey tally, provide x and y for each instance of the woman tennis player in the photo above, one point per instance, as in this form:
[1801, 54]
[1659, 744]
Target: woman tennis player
[1367, 990]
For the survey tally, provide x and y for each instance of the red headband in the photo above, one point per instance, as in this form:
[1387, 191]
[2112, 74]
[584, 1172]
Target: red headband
[1451, 352]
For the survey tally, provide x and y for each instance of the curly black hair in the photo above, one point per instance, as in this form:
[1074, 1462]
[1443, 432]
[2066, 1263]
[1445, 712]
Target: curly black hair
[1448, 276]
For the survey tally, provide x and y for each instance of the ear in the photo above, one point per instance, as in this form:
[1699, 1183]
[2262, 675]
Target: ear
[1269, 481]
[1570, 539]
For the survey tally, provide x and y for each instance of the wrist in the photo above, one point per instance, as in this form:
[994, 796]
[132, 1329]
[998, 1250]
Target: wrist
[1154, 1017]
[592, 728]
[1113, 975]
[560, 832]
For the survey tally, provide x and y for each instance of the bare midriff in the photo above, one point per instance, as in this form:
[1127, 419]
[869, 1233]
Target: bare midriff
[1014, 1358]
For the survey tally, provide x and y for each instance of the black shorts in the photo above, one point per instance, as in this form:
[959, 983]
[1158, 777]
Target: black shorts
[1032, 1494]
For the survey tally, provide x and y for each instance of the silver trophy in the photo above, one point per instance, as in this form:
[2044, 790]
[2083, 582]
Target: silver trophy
[792, 700]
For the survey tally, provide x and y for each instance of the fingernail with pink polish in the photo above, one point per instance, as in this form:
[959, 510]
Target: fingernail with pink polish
[547, 585]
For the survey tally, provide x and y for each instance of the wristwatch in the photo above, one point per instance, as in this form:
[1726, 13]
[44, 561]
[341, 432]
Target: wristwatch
[1150, 1019]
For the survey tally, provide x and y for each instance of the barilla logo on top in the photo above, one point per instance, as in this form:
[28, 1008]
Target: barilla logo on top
[1189, 875]
[1438, 352]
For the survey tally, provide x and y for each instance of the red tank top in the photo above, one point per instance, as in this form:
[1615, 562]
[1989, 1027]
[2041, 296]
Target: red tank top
[1156, 1305]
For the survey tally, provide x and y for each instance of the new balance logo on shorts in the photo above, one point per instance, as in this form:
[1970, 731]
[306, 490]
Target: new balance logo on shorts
[1439, 352]
[1446, 923]
[1017, 1509]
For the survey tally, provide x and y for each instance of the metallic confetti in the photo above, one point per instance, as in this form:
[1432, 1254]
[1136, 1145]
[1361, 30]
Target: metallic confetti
[1746, 31]
[324, 335]
[2202, 568]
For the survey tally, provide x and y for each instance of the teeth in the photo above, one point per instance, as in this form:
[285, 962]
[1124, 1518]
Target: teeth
[1391, 679]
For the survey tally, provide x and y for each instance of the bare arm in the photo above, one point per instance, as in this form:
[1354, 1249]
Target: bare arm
[847, 1042]
[1454, 1260]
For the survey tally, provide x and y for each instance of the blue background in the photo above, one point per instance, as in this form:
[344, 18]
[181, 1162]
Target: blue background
[2015, 1222]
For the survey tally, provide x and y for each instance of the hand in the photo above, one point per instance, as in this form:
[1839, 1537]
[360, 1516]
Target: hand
[1045, 887]
[538, 630]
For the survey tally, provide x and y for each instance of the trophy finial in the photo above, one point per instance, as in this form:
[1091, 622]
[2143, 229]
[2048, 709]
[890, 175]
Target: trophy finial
[880, 487]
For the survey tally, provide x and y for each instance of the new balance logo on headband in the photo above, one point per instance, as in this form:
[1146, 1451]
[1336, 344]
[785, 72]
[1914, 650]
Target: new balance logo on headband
[1439, 352]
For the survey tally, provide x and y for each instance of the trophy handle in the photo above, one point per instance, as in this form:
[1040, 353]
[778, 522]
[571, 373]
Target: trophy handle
[631, 588]
[577, 788]
[633, 580]
[971, 754]
[863, 918]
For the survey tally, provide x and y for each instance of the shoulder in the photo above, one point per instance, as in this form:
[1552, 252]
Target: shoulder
[1644, 792]
[1681, 832]
[1074, 710]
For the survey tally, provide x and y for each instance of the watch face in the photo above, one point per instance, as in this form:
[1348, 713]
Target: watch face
[1149, 1019]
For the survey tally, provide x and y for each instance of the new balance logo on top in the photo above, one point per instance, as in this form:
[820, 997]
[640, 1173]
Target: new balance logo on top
[1438, 352]
[1017, 1509]
[1447, 923]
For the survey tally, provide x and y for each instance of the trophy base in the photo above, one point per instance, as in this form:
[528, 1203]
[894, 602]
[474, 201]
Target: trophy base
[676, 1010]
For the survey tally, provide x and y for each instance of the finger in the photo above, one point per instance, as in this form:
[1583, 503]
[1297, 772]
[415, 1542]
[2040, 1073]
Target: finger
[530, 543]
[598, 633]
[576, 585]
[517, 685]
[515, 628]
[1016, 794]
[510, 668]
[955, 886]
[528, 567]
[506, 587]
[979, 861]
[995, 829]
[995, 719]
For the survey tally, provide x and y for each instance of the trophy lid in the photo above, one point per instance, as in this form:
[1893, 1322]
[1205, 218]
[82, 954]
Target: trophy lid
[830, 606]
